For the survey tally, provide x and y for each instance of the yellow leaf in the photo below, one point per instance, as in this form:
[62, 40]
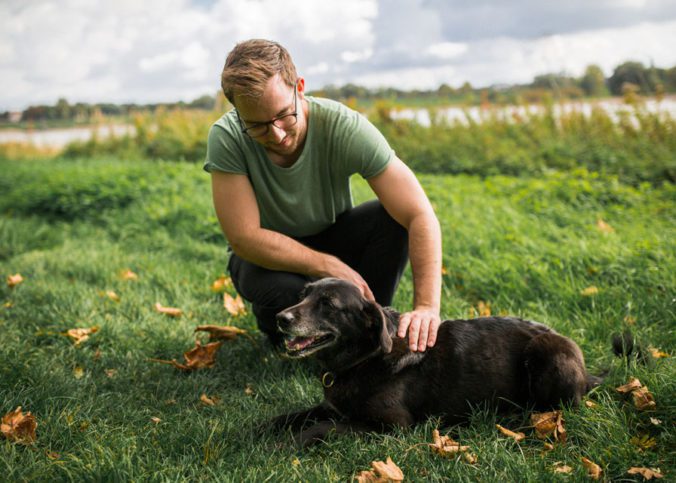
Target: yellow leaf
[515, 436]
[221, 332]
[221, 284]
[590, 404]
[603, 226]
[295, 461]
[549, 423]
[170, 311]
[112, 296]
[444, 270]
[127, 274]
[209, 401]
[14, 280]
[156, 420]
[589, 291]
[559, 467]
[199, 357]
[248, 390]
[18, 427]
[81, 335]
[445, 446]
[630, 386]
[646, 473]
[630, 320]
[643, 399]
[78, 372]
[644, 441]
[548, 446]
[235, 306]
[656, 353]
[386, 471]
[593, 470]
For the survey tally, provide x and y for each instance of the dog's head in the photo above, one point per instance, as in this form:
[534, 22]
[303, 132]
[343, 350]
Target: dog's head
[335, 323]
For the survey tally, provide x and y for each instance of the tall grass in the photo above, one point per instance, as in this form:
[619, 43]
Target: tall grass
[526, 246]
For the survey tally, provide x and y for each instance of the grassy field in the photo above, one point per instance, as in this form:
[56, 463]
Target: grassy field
[526, 246]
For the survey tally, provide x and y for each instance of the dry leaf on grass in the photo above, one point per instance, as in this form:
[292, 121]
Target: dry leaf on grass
[112, 296]
[127, 274]
[646, 473]
[445, 446]
[221, 284]
[643, 442]
[19, 427]
[81, 335]
[111, 373]
[381, 472]
[78, 372]
[549, 423]
[656, 421]
[14, 280]
[603, 226]
[590, 404]
[170, 311]
[630, 386]
[248, 390]
[593, 470]
[156, 420]
[559, 467]
[221, 332]
[199, 357]
[482, 309]
[235, 306]
[589, 291]
[548, 446]
[515, 436]
[641, 396]
[656, 353]
[209, 401]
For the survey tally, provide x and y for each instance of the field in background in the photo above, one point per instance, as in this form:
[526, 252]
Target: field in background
[527, 245]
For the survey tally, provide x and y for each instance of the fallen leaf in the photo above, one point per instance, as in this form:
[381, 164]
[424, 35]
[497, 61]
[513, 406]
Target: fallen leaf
[589, 291]
[445, 446]
[156, 420]
[18, 427]
[630, 320]
[209, 401]
[78, 372]
[170, 311]
[221, 332]
[128, 275]
[8, 305]
[559, 467]
[469, 458]
[295, 461]
[644, 441]
[81, 335]
[646, 473]
[235, 306]
[111, 372]
[382, 472]
[548, 446]
[656, 353]
[248, 390]
[444, 270]
[199, 357]
[656, 421]
[590, 404]
[97, 354]
[112, 296]
[221, 283]
[14, 280]
[603, 226]
[630, 386]
[643, 399]
[52, 455]
[549, 423]
[515, 436]
[593, 470]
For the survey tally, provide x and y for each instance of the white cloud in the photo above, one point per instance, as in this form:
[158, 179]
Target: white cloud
[446, 50]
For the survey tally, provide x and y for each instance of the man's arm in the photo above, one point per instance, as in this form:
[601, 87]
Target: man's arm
[237, 212]
[404, 199]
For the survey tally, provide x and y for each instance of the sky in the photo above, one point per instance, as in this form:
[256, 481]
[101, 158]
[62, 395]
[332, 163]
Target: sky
[147, 51]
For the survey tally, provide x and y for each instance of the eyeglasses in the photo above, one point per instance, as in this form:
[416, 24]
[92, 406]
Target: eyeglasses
[258, 129]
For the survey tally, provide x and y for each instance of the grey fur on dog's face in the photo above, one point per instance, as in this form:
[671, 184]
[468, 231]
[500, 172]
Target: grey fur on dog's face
[331, 321]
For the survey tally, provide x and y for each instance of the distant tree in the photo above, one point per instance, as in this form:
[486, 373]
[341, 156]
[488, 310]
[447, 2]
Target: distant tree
[63, 109]
[630, 72]
[593, 82]
[445, 90]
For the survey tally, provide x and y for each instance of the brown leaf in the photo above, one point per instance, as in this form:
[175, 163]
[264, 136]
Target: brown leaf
[656, 353]
[18, 427]
[559, 467]
[14, 280]
[445, 446]
[170, 311]
[643, 399]
[235, 306]
[382, 472]
[630, 386]
[53, 455]
[248, 390]
[515, 436]
[112, 296]
[221, 284]
[156, 420]
[630, 320]
[111, 373]
[469, 458]
[221, 332]
[81, 335]
[589, 291]
[656, 421]
[590, 404]
[78, 372]
[209, 401]
[128, 275]
[593, 470]
[548, 446]
[444, 270]
[199, 357]
[549, 423]
[603, 226]
[646, 473]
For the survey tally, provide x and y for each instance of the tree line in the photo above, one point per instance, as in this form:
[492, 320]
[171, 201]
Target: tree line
[628, 78]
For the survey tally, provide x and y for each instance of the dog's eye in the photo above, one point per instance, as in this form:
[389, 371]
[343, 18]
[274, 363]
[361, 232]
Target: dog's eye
[327, 301]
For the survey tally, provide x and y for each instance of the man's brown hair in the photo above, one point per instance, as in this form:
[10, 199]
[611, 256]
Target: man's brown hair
[251, 64]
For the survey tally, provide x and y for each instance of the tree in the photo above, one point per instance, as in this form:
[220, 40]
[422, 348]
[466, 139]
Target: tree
[593, 82]
[630, 72]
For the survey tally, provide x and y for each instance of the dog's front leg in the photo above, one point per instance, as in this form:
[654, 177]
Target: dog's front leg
[297, 420]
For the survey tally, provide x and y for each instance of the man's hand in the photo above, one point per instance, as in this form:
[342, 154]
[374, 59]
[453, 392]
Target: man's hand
[422, 325]
[334, 267]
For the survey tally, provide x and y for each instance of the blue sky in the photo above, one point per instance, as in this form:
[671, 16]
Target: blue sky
[169, 50]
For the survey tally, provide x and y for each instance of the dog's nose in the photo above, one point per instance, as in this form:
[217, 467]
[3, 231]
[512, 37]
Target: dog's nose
[284, 320]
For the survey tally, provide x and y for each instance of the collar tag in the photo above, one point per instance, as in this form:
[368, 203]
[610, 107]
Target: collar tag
[328, 379]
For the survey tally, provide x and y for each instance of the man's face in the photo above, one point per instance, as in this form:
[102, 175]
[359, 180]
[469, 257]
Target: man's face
[276, 101]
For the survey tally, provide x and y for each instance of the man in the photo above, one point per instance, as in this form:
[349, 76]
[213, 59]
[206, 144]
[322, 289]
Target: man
[280, 163]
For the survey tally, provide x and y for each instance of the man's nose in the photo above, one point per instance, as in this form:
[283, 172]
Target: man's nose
[284, 319]
[276, 133]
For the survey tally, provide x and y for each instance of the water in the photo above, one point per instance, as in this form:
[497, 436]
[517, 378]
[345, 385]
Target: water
[59, 138]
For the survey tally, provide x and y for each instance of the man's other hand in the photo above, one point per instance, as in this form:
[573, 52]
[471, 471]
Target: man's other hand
[422, 325]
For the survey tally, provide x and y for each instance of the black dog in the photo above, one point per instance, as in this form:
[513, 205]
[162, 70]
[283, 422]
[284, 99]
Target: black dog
[372, 381]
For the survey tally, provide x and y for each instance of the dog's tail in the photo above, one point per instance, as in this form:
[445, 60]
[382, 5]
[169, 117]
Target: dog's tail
[624, 346]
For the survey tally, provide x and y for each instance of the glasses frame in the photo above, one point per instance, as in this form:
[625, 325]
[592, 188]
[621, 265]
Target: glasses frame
[245, 130]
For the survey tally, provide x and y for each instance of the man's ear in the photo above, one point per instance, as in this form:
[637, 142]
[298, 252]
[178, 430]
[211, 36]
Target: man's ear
[378, 323]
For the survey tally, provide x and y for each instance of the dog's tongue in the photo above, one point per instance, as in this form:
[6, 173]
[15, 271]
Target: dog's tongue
[298, 343]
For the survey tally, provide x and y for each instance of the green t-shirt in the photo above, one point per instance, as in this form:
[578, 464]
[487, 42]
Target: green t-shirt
[306, 197]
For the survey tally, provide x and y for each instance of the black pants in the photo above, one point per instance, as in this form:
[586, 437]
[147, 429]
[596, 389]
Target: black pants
[366, 238]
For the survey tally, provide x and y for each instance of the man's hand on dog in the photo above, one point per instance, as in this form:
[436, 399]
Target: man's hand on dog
[422, 325]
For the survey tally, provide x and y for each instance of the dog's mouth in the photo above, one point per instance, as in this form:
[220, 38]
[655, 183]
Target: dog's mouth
[297, 346]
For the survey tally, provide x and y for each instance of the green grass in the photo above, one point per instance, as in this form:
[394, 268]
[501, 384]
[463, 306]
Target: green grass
[528, 246]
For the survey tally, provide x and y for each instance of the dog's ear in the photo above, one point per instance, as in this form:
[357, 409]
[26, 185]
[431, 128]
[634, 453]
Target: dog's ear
[378, 322]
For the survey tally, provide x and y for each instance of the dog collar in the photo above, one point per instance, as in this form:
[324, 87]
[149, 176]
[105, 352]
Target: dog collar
[328, 378]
